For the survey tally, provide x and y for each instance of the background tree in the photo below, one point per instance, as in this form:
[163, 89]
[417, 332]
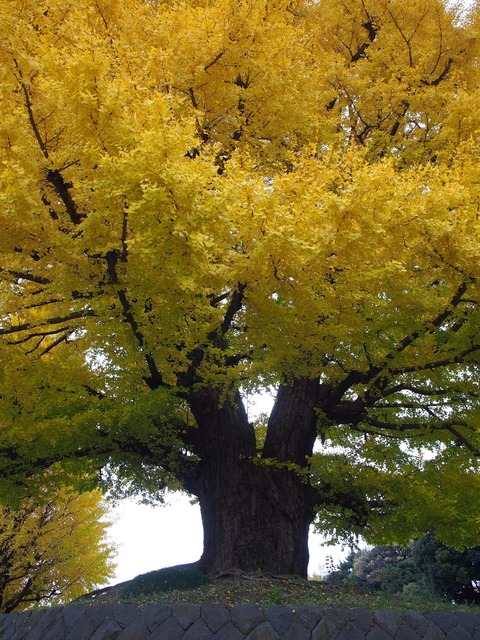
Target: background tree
[343, 572]
[54, 551]
[448, 573]
[425, 567]
[202, 199]
[391, 569]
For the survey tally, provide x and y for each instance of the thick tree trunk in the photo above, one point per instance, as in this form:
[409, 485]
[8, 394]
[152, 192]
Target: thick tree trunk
[256, 520]
[256, 511]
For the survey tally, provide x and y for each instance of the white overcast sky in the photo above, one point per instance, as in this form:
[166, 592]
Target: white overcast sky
[150, 538]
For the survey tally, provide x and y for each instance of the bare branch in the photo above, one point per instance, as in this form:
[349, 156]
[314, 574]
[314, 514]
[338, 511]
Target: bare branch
[55, 343]
[234, 306]
[215, 300]
[62, 189]
[215, 60]
[155, 379]
[462, 440]
[42, 334]
[430, 326]
[54, 176]
[24, 275]
[31, 117]
[401, 427]
[372, 31]
[442, 76]
[49, 321]
[430, 366]
[416, 390]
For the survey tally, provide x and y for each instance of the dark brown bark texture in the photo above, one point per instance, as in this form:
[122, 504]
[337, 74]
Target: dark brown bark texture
[256, 506]
[256, 521]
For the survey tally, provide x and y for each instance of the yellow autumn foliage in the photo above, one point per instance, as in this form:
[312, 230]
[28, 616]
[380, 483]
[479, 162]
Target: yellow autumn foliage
[53, 551]
[232, 194]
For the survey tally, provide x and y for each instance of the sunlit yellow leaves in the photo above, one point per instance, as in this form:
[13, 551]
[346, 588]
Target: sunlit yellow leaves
[52, 551]
[156, 159]
[139, 120]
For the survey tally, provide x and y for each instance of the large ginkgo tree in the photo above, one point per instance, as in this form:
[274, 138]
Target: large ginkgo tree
[201, 200]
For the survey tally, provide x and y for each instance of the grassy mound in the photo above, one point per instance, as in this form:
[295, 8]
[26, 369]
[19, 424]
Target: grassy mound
[186, 584]
[179, 578]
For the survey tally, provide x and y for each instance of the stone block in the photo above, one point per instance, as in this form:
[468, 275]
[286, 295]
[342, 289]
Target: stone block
[229, 632]
[378, 634]
[42, 619]
[246, 617]
[350, 632]
[109, 629]
[416, 621]
[458, 633]
[186, 614]
[444, 620]
[361, 618]
[325, 630]
[434, 632]
[279, 617]
[58, 630]
[18, 628]
[168, 630]
[407, 633]
[308, 615]
[389, 621]
[297, 632]
[264, 631]
[469, 621]
[215, 615]
[136, 630]
[125, 614]
[7, 626]
[339, 617]
[155, 614]
[100, 613]
[72, 616]
[38, 624]
[199, 630]
[84, 628]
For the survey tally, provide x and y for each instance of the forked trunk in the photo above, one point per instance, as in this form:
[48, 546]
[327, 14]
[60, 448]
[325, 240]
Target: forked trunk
[256, 511]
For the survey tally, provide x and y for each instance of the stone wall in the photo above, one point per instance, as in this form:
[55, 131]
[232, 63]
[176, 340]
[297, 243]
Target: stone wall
[203, 622]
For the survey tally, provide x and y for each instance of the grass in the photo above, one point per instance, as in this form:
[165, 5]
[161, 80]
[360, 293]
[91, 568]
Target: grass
[184, 584]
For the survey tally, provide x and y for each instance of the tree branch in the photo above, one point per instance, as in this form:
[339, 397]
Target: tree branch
[155, 379]
[379, 374]
[429, 327]
[23, 275]
[234, 306]
[62, 189]
[54, 176]
[372, 31]
[461, 439]
[34, 325]
[217, 337]
[429, 366]
[416, 390]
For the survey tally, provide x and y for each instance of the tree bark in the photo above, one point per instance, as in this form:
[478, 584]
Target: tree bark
[256, 511]
[256, 520]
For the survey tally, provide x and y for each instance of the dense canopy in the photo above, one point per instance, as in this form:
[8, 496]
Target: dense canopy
[202, 199]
